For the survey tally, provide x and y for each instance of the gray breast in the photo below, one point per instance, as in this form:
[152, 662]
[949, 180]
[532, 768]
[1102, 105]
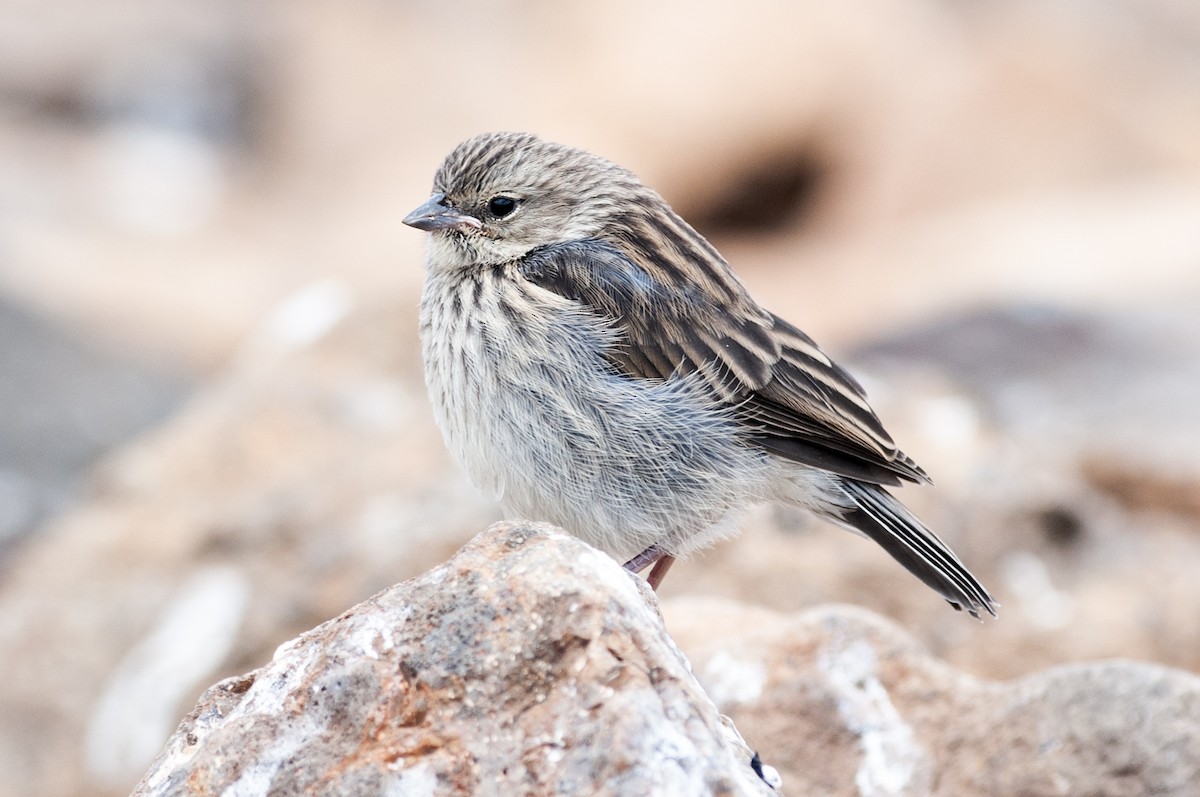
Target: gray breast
[531, 408]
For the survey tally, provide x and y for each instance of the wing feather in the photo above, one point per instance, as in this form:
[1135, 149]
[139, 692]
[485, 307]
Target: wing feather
[794, 400]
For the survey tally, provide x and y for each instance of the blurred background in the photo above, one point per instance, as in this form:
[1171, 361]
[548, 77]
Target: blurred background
[213, 428]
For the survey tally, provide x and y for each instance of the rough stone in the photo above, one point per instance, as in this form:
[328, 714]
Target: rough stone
[845, 703]
[528, 664]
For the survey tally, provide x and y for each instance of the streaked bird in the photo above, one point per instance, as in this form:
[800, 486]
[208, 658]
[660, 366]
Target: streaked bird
[593, 362]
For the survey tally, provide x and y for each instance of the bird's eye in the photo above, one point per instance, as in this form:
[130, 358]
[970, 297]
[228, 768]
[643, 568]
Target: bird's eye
[501, 206]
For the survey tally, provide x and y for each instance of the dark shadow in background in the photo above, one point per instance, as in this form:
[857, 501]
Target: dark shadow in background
[63, 404]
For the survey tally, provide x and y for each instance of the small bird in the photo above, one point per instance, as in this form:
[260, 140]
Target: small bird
[594, 362]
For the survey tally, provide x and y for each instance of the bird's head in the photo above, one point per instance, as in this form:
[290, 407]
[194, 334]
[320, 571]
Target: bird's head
[499, 196]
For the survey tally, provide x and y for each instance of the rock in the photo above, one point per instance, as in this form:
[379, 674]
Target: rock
[528, 664]
[531, 664]
[62, 404]
[846, 704]
[1120, 385]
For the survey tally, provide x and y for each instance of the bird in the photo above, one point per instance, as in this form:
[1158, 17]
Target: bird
[593, 362]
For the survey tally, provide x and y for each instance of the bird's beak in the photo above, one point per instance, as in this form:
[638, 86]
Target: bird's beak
[436, 215]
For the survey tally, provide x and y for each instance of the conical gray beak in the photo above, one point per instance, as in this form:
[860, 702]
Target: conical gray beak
[436, 215]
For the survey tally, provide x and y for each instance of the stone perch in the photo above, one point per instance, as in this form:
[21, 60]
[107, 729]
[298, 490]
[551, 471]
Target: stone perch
[528, 664]
[531, 664]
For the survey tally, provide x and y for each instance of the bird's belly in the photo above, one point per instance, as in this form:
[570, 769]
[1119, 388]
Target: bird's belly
[541, 421]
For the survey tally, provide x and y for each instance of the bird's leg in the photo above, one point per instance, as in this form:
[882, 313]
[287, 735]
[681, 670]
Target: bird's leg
[654, 555]
[646, 558]
[659, 571]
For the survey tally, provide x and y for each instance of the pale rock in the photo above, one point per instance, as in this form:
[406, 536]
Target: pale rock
[528, 664]
[851, 706]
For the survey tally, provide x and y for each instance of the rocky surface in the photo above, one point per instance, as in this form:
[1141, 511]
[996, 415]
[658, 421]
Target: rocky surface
[846, 704]
[529, 664]
[532, 664]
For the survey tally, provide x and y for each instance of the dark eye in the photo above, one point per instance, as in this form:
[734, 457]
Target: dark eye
[501, 206]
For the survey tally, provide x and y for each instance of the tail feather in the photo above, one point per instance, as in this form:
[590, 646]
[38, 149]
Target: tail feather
[886, 521]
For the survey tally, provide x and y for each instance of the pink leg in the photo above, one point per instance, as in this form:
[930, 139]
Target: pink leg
[654, 555]
[659, 571]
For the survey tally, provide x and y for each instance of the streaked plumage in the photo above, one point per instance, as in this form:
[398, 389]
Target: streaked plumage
[594, 362]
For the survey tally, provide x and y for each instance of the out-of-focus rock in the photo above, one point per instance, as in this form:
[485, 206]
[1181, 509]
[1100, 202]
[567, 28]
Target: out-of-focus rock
[528, 664]
[1125, 383]
[846, 704]
[62, 404]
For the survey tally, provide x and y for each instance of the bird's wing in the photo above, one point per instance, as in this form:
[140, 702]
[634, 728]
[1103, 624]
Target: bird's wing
[797, 402]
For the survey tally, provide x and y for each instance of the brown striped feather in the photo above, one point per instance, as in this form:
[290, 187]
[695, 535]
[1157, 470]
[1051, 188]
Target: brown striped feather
[799, 403]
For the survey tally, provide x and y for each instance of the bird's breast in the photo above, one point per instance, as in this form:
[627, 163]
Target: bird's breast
[515, 374]
[533, 410]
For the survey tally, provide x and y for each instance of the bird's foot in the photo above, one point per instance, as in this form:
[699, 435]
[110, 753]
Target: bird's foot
[654, 555]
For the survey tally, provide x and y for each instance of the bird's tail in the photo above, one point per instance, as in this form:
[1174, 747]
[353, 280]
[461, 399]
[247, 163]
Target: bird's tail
[885, 520]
